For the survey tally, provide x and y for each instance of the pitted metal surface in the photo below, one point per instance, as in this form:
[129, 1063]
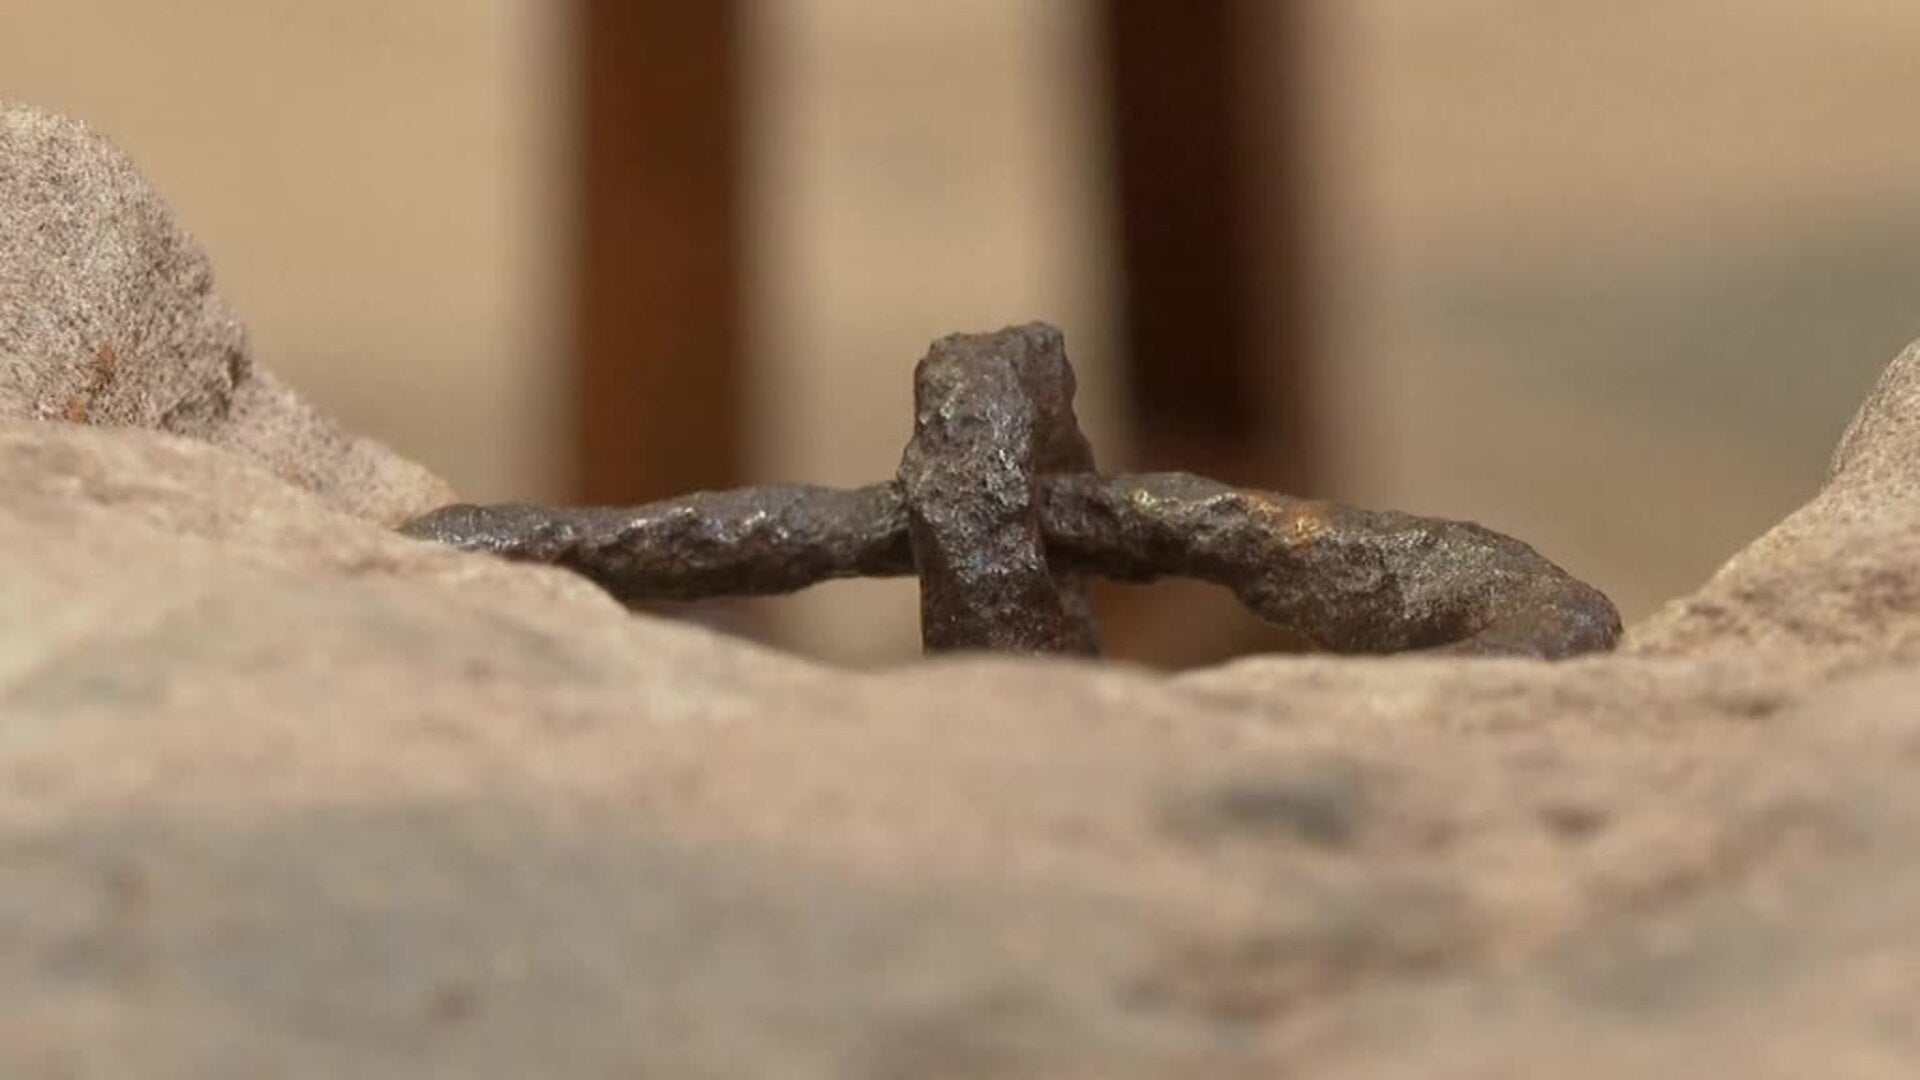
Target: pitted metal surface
[997, 509]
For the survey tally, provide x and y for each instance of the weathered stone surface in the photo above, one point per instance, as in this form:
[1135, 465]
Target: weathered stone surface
[285, 794]
[108, 315]
[1835, 583]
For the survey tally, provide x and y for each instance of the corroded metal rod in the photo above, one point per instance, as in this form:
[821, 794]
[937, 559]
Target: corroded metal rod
[1351, 581]
[998, 511]
[993, 414]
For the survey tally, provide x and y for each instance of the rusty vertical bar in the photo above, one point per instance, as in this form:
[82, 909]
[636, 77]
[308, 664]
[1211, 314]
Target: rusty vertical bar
[1217, 333]
[1207, 171]
[659, 372]
[1276, 166]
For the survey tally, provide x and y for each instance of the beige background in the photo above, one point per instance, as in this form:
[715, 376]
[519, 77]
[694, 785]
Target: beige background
[1614, 276]
[1609, 276]
[378, 182]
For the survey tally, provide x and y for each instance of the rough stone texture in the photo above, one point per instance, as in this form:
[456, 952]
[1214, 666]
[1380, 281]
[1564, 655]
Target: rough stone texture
[1862, 532]
[285, 794]
[108, 315]
[282, 793]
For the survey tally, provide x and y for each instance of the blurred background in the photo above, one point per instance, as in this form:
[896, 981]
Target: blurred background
[1609, 277]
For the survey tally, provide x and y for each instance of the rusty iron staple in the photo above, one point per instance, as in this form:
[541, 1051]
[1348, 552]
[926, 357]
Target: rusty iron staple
[998, 510]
